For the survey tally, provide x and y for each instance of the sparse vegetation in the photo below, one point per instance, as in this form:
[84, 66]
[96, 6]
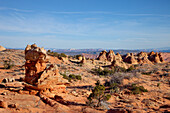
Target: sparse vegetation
[98, 95]
[59, 55]
[8, 64]
[71, 77]
[104, 72]
[130, 69]
[137, 89]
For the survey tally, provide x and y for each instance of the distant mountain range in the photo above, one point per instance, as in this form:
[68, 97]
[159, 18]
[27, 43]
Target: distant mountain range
[97, 51]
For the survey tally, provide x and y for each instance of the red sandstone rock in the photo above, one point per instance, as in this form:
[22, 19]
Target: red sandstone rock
[129, 58]
[83, 60]
[37, 74]
[102, 56]
[110, 56]
[3, 104]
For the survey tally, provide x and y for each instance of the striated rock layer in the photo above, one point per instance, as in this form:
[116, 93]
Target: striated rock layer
[38, 75]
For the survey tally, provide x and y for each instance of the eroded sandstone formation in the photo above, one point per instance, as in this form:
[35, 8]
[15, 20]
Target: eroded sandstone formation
[102, 56]
[38, 75]
[83, 60]
[130, 58]
[110, 55]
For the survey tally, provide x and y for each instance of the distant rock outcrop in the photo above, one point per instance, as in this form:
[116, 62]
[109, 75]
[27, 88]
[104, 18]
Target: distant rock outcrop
[130, 58]
[155, 57]
[83, 60]
[102, 56]
[38, 75]
[2, 48]
[110, 55]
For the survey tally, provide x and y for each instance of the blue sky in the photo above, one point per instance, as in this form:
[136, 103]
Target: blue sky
[109, 24]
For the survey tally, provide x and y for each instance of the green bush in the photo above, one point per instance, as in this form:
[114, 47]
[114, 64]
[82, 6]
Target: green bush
[59, 55]
[104, 72]
[71, 77]
[147, 73]
[119, 69]
[98, 94]
[78, 77]
[137, 89]
[130, 68]
[8, 64]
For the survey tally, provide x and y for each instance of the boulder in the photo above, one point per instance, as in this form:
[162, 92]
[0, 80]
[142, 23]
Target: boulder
[83, 60]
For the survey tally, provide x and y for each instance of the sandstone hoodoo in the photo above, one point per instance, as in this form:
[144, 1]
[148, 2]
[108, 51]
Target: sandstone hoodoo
[110, 55]
[83, 60]
[102, 56]
[38, 75]
[129, 59]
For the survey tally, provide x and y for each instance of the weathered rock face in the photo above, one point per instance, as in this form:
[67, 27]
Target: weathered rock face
[64, 59]
[39, 75]
[110, 55]
[2, 48]
[129, 58]
[118, 57]
[119, 63]
[155, 57]
[102, 56]
[161, 58]
[83, 60]
[80, 58]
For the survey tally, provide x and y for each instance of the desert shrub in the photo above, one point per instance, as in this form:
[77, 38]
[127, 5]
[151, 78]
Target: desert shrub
[130, 69]
[137, 89]
[147, 73]
[78, 77]
[104, 72]
[71, 77]
[98, 95]
[66, 77]
[55, 54]
[113, 87]
[117, 78]
[119, 69]
[63, 55]
[8, 64]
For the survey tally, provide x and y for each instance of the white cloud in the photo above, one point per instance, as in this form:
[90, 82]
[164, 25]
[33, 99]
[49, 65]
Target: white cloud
[15, 9]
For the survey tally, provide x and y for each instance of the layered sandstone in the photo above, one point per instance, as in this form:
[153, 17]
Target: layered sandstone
[40, 76]
[102, 56]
